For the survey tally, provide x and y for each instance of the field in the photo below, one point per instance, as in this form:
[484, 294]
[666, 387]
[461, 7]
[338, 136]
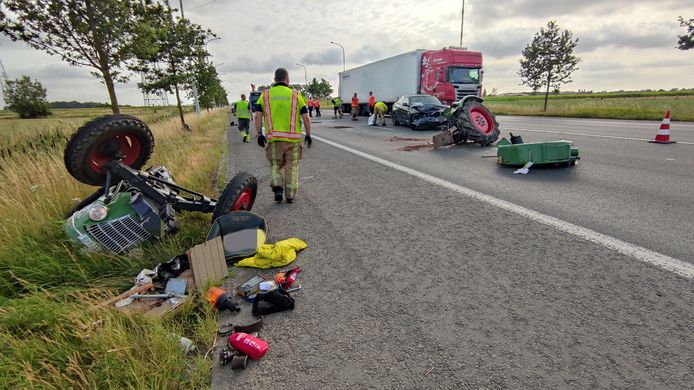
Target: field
[646, 106]
[48, 288]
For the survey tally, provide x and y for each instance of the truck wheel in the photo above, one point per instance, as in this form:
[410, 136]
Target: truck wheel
[105, 139]
[239, 194]
[479, 123]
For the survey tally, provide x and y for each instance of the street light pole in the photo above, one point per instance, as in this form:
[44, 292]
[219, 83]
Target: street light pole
[343, 54]
[305, 74]
[462, 21]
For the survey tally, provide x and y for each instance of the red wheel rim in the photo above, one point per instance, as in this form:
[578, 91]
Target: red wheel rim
[481, 120]
[123, 146]
[244, 200]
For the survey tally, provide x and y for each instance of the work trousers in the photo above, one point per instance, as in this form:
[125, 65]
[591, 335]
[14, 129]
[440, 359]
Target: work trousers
[380, 114]
[310, 111]
[317, 108]
[355, 109]
[284, 166]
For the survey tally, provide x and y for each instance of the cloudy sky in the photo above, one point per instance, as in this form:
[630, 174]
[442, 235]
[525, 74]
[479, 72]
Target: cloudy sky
[623, 44]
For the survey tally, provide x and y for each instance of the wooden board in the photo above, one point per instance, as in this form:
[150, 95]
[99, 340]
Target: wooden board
[207, 262]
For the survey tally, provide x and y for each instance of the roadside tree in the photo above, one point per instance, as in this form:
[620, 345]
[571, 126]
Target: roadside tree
[94, 34]
[26, 97]
[320, 90]
[548, 61]
[167, 52]
[686, 41]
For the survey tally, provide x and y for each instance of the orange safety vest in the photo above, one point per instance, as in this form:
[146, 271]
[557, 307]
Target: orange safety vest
[372, 101]
[355, 101]
[310, 103]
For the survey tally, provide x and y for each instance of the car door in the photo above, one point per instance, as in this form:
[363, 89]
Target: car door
[404, 114]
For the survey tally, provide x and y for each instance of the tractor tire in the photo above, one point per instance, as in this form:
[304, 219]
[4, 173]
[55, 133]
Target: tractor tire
[239, 194]
[478, 122]
[104, 139]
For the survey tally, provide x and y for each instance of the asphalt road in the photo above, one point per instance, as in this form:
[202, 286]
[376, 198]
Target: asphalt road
[407, 284]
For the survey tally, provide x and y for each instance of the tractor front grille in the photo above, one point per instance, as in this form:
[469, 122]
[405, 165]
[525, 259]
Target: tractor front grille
[119, 234]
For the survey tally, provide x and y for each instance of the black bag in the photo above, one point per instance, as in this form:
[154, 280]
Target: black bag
[272, 302]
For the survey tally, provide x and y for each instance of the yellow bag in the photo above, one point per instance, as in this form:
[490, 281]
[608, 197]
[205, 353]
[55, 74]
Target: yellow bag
[272, 256]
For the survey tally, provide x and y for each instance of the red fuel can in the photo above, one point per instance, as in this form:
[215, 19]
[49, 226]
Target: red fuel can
[249, 345]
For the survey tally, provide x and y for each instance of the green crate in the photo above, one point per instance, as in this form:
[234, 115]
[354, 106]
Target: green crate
[552, 152]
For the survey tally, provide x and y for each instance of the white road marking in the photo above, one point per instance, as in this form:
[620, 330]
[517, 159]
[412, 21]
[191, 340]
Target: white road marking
[645, 255]
[598, 136]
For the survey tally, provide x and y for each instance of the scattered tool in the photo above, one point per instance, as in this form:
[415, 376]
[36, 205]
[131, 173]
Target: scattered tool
[251, 286]
[287, 278]
[221, 300]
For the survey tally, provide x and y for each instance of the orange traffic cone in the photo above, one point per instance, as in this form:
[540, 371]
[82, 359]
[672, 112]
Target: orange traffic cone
[663, 135]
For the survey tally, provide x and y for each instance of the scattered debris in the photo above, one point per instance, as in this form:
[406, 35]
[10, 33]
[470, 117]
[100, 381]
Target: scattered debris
[207, 262]
[396, 138]
[409, 148]
[550, 153]
[272, 256]
[248, 344]
[221, 300]
[525, 169]
[273, 301]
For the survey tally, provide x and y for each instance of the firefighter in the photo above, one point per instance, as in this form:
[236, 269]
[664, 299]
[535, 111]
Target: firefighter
[380, 110]
[337, 107]
[355, 106]
[372, 102]
[243, 114]
[282, 108]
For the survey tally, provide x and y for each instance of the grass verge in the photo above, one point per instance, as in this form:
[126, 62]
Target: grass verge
[48, 336]
[607, 106]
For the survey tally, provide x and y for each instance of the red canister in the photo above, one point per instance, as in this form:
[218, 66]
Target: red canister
[249, 345]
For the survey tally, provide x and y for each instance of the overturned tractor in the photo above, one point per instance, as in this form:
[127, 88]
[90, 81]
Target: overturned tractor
[134, 205]
[468, 120]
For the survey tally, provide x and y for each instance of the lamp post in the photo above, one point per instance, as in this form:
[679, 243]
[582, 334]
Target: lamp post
[305, 74]
[462, 21]
[343, 54]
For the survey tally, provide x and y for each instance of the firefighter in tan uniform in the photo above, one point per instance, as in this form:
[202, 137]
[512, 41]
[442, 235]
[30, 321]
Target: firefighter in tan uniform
[282, 108]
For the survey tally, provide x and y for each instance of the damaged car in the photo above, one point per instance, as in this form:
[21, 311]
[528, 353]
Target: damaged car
[419, 112]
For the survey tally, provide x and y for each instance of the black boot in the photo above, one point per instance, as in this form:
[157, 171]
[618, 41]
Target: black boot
[278, 194]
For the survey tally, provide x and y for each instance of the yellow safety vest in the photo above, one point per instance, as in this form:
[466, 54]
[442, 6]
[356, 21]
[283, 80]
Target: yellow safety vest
[281, 106]
[242, 111]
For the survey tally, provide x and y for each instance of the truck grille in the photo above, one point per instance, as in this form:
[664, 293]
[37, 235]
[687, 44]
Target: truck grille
[119, 234]
[460, 93]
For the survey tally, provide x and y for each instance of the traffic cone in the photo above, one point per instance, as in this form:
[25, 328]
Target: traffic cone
[663, 135]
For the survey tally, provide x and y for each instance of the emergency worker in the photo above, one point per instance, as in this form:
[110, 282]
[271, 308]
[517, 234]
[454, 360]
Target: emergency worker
[372, 102]
[310, 107]
[316, 106]
[355, 106]
[337, 107]
[380, 110]
[283, 108]
[243, 113]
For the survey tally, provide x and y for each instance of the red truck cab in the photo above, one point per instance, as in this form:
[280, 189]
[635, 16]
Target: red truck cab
[451, 73]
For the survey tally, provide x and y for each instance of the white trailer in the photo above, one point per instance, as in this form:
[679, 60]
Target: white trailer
[388, 79]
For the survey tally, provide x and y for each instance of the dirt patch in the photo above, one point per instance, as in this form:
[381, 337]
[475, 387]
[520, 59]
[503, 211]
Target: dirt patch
[409, 148]
[396, 138]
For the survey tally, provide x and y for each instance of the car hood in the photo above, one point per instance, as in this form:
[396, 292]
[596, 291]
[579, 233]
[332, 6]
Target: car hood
[429, 108]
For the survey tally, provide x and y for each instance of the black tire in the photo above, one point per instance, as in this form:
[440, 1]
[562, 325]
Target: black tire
[227, 202]
[465, 122]
[101, 135]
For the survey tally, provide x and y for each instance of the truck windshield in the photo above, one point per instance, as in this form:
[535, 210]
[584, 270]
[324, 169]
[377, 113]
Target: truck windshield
[464, 75]
[423, 99]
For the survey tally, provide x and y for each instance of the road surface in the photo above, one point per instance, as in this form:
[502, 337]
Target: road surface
[411, 282]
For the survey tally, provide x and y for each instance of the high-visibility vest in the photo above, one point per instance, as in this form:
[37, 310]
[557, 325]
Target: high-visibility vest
[310, 103]
[242, 111]
[381, 107]
[355, 101]
[337, 102]
[281, 106]
[372, 100]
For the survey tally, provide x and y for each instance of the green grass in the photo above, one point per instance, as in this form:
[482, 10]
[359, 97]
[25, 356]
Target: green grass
[645, 106]
[47, 287]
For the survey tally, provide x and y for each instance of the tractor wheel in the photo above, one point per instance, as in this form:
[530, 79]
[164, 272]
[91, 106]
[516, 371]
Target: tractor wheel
[479, 123]
[239, 194]
[104, 139]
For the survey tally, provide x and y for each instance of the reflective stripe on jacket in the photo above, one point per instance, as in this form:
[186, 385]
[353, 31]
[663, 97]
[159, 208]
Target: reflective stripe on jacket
[281, 106]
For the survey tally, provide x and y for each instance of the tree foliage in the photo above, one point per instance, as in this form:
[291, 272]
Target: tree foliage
[210, 90]
[26, 97]
[548, 61]
[89, 33]
[320, 90]
[168, 49]
[686, 41]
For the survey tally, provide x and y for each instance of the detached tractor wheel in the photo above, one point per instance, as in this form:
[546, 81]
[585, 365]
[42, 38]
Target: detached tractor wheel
[104, 139]
[239, 194]
[479, 123]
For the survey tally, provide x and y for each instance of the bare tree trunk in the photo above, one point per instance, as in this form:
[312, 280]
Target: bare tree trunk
[108, 80]
[549, 76]
[180, 109]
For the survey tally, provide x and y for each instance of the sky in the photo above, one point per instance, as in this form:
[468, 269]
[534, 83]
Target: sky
[623, 44]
